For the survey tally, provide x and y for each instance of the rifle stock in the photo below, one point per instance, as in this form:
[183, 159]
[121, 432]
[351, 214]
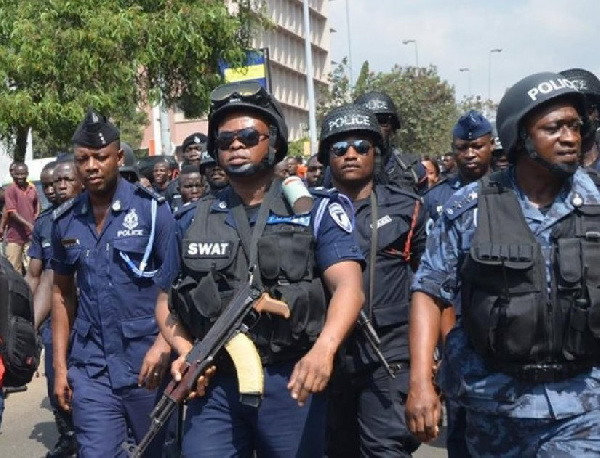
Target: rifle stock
[227, 332]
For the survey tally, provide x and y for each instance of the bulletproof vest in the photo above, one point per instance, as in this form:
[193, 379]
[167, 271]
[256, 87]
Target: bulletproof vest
[400, 169]
[214, 265]
[510, 313]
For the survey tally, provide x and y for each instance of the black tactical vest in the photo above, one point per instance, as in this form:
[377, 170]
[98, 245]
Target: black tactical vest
[214, 265]
[510, 314]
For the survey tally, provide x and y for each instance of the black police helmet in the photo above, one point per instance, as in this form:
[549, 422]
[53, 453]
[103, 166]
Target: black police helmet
[585, 82]
[248, 96]
[380, 104]
[206, 160]
[129, 161]
[350, 118]
[525, 96]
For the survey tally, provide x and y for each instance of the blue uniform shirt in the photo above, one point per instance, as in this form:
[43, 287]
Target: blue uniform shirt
[464, 375]
[41, 244]
[115, 323]
[333, 230]
[435, 198]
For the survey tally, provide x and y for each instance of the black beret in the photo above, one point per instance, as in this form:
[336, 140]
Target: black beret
[95, 131]
[197, 138]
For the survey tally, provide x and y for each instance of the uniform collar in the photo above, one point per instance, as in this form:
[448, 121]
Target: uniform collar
[225, 200]
[121, 200]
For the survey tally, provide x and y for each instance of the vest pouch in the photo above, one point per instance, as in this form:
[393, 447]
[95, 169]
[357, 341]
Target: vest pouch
[286, 254]
[506, 329]
[569, 264]
[591, 259]
[133, 247]
[269, 254]
[578, 342]
[196, 304]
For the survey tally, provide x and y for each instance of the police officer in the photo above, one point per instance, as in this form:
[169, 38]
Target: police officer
[473, 144]
[589, 85]
[293, 257]
[400, 166]
[449, 164]
[314, 171]
[65, 186]
[366, 405]
[213, 173]
[119, 240]
[517, 252]
[129, 168]
[193, 147]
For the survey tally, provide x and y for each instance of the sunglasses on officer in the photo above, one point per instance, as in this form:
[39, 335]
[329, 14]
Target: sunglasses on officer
[248, 137]
[244, 91]
[340, 148]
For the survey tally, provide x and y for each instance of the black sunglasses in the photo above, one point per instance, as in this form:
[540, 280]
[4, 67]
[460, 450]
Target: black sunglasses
[249, 137]
[340, 148]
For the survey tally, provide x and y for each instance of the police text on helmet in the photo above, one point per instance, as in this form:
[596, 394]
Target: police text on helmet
[349, 120]
[546, 87]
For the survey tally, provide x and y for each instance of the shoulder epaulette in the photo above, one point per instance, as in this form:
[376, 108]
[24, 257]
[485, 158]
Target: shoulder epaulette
[594, 175]
[46, 212]
[460, 203]
[63, 208]
[321, 191]
[184, 209]
[149, 192]
[442, 181]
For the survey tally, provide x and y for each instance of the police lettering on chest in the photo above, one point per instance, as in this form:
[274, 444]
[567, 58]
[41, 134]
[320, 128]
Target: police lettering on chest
[130, 222]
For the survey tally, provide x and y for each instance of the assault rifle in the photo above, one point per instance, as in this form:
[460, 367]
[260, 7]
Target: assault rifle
[227, 332]
[371, 335]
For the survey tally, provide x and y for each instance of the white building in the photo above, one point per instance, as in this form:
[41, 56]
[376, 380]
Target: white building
[285, 41]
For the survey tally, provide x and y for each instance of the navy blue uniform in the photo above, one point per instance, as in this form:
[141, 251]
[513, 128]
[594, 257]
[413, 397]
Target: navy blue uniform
[436, 197]
[366, 404]
[114, 325]
[505, 416]
[218, 424]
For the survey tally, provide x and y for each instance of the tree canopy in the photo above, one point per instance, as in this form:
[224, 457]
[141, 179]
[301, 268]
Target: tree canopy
[426, 104]
[58, 57]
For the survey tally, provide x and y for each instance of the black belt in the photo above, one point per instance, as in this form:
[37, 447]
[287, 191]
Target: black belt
[542, 372]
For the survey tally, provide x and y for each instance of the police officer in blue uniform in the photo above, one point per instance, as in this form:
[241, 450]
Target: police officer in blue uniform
[400, 166]
[213, 173]
[366, 411]
[119, 240]
[294, 257]
[65, 186]
[517, 252]
[472, 143]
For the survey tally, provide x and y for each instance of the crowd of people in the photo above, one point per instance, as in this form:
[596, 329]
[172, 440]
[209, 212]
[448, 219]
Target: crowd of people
[467, 278]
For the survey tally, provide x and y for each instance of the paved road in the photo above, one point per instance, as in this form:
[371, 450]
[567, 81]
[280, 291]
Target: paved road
[28, 429]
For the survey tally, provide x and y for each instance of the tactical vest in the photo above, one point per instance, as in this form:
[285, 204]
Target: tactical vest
[400, 169]
[511, 316]
[214, 265]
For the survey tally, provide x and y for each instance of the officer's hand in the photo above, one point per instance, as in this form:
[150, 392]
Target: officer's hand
[62, 390]
[179, 367]
[311, 374]
[154, 366]
[423, 411]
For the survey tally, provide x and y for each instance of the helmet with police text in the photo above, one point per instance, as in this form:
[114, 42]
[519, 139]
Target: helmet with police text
[251, 97]
[347, 119]
[129, 165]
[527, 95]
[585, 82]
[382, 105]
[206, 160]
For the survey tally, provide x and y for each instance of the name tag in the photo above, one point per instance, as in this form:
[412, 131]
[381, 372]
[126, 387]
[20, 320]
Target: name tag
[68, 243]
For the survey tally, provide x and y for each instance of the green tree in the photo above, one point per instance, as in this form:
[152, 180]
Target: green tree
[426, 104]
[58, 57]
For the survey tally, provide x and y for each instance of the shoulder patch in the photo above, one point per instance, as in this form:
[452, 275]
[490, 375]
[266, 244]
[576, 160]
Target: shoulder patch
[63, 208]
[339, 215]
[149, 192]
[458, 204]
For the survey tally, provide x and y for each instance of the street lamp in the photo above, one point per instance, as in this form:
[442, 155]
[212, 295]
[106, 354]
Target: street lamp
[405, 42]
[468, 70]
[490, 71]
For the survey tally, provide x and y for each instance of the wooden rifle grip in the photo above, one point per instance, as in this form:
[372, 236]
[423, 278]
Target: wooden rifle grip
[266, 303]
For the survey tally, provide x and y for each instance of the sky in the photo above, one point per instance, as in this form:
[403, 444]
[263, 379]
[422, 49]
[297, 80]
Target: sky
[534, 36]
